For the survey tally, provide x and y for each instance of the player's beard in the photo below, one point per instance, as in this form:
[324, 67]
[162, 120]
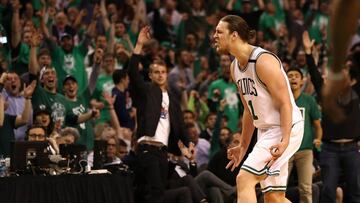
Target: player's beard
[221, 51]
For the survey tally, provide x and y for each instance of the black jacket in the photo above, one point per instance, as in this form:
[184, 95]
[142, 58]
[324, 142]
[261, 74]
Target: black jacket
[147, 98]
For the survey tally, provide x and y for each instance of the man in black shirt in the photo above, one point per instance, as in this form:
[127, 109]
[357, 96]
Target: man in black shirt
[160, 123]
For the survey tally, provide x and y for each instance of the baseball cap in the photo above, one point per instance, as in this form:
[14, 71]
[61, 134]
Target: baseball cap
[42, 109]
[64, 35]
[69, 77]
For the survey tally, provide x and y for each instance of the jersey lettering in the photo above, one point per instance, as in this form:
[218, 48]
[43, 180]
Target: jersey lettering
[247, 86]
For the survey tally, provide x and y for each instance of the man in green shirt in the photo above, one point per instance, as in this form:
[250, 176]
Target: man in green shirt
[78, 106]
[223, 88]
[20, 41]
[104, 83]
[46, 95]
[303, 158]
[69, 60]
[268, 22]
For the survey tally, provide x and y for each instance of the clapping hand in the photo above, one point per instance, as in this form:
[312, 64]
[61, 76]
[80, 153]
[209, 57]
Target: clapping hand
[29, 90]
[144, 35]
[188, 152]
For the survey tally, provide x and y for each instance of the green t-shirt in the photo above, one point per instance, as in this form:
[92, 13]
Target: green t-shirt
[266, 23]
[237, 5]
[7, 134]
[279, 10]
[21, 64]
[85, 129]
[310, 112]
[229, 92]
[71, 64]
[104, 83]
[43, 99]
[320, 22]
[122, 40]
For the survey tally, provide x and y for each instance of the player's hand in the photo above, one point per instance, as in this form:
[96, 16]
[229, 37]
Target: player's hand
[277, 150]
[235, 154]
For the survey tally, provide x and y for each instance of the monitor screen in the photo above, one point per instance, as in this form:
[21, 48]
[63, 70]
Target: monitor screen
[74, 153]
[25, 154]
[99, 153]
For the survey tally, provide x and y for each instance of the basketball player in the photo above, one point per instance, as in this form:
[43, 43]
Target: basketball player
[269, 106]
[341, 34]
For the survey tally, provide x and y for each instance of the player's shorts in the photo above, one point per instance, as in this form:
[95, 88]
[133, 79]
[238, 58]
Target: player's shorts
[258, 160]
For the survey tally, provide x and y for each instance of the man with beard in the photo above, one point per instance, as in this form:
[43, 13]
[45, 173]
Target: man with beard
[15, 101]
[67, 58]
[224, 88]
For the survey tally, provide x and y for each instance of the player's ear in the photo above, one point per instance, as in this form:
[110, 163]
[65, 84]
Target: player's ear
[234, 34]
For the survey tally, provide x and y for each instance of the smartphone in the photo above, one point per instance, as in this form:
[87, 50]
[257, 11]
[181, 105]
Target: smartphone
[3, 40]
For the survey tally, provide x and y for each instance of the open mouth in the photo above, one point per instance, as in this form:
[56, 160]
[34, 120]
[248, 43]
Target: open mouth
[293, 83]
[71, 91]
[13, 87]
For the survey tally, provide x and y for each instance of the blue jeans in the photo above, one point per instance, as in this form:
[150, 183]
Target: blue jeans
[335, 159]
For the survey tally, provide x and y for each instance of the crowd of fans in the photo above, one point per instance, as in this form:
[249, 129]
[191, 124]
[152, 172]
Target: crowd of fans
[64, 79]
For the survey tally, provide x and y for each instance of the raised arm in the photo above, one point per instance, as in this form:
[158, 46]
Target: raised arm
[136, 81]
[315, 75]
[104, 15]
[34, 67]
[111, 42]
[15, 24]
[24, 117]
[114, 119]
[261, 4]
[341, 31]
[44, 29]
[83, 13]
[98, 56]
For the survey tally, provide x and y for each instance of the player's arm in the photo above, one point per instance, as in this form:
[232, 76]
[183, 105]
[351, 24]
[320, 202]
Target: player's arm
[269, 71]
[247, 121]
[318, 133]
